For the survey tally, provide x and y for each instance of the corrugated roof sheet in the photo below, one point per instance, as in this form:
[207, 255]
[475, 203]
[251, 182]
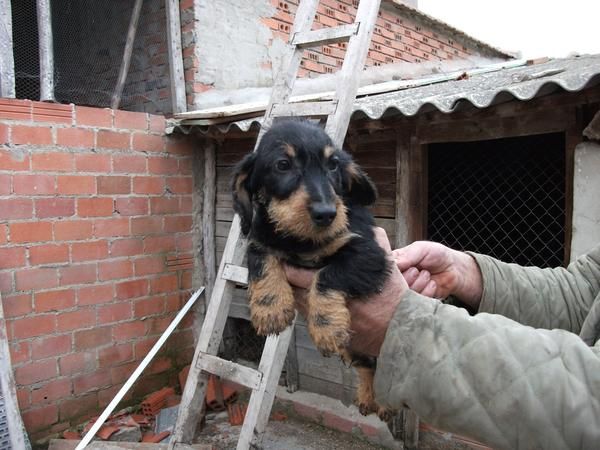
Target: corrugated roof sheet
[478, 89]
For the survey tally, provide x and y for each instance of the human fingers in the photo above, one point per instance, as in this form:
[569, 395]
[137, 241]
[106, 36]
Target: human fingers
[430, 290]
[421, 281]
[410, 275]
[382, 239]
[299, 277]
[410, 256]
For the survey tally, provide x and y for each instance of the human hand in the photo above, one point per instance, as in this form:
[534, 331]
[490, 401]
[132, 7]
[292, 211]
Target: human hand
[370, 317]
[435, 270]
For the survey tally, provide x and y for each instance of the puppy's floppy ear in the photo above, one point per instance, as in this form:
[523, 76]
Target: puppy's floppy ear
[358, 186]
[242, 193]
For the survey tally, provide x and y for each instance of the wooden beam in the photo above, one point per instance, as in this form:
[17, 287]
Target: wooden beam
[7, 62]
[175, 56]
[208, 215]
[124, 69]
[324, 36]
[44, 18]
[246, 376]
[403, 210]
[292, 372]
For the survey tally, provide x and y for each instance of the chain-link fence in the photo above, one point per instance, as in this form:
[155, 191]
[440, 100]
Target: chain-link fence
[88, 43]
[241, 341]
[504, 198]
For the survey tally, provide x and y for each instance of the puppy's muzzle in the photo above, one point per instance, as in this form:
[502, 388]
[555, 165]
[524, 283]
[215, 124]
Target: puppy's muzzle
[322, 214]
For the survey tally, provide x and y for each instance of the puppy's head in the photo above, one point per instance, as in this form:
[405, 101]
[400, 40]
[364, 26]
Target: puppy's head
[302, 180]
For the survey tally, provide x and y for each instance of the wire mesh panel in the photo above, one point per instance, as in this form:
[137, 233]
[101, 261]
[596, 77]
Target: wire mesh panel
[241, 341]
[504, 198]
[25, 49]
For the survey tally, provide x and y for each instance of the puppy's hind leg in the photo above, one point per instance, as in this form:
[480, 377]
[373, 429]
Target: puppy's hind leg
[365, 395]
[271, 296]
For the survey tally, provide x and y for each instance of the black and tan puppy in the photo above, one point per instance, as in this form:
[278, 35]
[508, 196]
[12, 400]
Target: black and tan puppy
[302, 201]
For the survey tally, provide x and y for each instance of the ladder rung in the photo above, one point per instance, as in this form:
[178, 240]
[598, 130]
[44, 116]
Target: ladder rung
[308, 109]
[237, 373]
[324, 36]
[237, 274]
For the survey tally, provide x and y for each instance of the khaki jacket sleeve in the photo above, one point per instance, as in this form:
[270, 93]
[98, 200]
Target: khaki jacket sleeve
[487, 377]
[541, 298]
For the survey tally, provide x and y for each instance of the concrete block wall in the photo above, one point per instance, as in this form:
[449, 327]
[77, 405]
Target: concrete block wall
[95, 254]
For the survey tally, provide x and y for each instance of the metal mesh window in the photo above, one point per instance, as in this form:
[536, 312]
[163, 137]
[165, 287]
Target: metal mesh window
[504, 198]
[242, 342]
[25, 49]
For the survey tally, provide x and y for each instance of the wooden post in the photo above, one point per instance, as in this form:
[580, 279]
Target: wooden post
[199, 274]
[7, 62]
[292, 375]
[403, 211]
[175, 56]
[44, 18]
[208, 215]
[124, 69]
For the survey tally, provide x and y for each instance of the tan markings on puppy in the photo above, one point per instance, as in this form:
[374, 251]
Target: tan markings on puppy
[365, 395]
[328, 151]
[327, 249]
[289, 150]
[239, 190]
[353, 173]
[291, 216]
[271, 299]
[328, 321]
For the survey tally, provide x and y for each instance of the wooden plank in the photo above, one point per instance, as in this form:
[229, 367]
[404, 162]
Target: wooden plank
[231, 371]
[410, 429]
[324, 36]
[292, 374]
[8, 390]
[307, 109]
[7, 61]
[208, 215]
[402, 189]
[67, 444]
[126, 61]
[175, 56]
[349, 76]
[44, 19]
[237, 274]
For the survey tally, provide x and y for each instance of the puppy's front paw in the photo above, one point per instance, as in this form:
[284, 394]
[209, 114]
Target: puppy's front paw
[384, 414]
[329, 322]
[271, 315]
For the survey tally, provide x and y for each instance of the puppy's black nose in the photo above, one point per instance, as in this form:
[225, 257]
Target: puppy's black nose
[322, 214]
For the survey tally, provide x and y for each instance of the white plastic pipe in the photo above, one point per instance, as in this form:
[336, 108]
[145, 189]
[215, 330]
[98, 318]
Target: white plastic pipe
[138, 371]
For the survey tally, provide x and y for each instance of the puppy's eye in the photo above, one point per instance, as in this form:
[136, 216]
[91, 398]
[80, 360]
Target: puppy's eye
[283, 165]
[333, 164]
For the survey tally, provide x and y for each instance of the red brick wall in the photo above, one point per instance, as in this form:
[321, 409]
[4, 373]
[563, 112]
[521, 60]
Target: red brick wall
[95, 244]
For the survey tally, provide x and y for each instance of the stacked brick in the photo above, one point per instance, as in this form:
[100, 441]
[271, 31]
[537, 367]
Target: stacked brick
[95, 245]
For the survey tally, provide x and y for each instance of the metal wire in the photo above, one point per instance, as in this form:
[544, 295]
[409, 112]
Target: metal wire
[504, 198]
[242, 342]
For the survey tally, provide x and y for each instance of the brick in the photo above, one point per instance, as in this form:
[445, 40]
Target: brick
[148, 307]
[6, 284]
[132, 206]
[111, 139]
[165, 283]
[22, 134]
[161, 364]
[186, 280]
[54, 300]
[159, 244]
[164, 205]
[176, 224]
[86, 251]
[48, 253]
[30, 232]
[14, 160]
[75, 137]
[38, 278]
[149, 265]
[113, 185]
[74, 363]
[180, 185]
[148, 185]
[51, 391]
[129, 164]
[115, 355]
[87, 339]
[3, 233]
[92, 162]
[5, 184]
[50, 346]
[91, 382]
[131, 289]
[73, 230]
[114, 270]
[129, 330]
[105, 396]
[32, 326]
[95, 207]
[131, 120]
[77, 274]
[163, 166]
[78, 407]
[20, 352]
[111, 227]
[53, 162]
[173, 302]
[36, 371]
[75, 320]
[76, 185]
[116, 312]
[142, 347]
[14, 109]
[122, 373]
[146, 225]
[94, 295]
[12, 257]
[54, 207]
[16, 305]
[158, 325]
[40, 418]
[52, 112]
[38, 184]
[156, 123]
[94, 117]
[16, 208]
[186, 204]
[126, 247]
[148, 143]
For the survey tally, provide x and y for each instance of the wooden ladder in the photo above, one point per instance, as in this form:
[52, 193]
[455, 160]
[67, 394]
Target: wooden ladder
[264, 381]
